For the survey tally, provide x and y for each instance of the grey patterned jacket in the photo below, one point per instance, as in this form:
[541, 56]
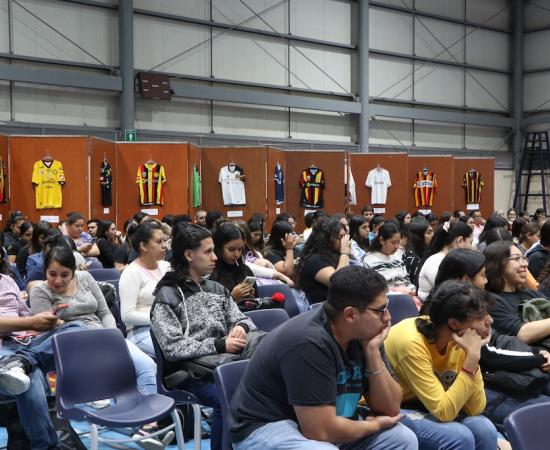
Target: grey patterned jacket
[196, 325]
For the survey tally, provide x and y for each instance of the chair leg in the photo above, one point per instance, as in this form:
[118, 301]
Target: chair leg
[94, 437]
[178, 429]
[197, 431]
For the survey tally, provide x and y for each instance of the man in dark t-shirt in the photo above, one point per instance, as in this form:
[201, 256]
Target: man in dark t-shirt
[302, 387]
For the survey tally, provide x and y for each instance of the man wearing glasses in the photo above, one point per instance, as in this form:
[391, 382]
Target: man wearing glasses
[301, 390]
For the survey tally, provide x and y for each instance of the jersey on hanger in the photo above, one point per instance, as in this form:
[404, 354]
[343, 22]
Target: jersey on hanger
[3, 196]
[312, 183]
[379, 181]
[351, 195]
[106, 180]
[231, 179]
[196, 188]
[424, 186]
[48, 177]
[472, 183]
[150, 180]
[279, 186]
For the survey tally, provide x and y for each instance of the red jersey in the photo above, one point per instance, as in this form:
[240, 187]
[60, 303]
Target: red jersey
[312, 183]
[472, 184]
[424, 187]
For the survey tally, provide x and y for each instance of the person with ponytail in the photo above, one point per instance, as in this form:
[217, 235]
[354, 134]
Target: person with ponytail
[193, 316]
[445, 238]
[436, 360]
[381, 258]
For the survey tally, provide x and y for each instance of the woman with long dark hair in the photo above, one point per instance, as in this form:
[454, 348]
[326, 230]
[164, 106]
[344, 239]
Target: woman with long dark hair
[327, 250]
[381, 258]
[34, 246]
[420, 237]
[25, 235]
[436, 360]
[108, 239]
[280, 249]
[446, 237]
[359, 239]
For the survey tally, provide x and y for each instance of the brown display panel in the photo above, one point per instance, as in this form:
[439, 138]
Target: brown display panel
[443, 168]
[253, 162]
[484, 166]
[332, 164]
[396, 164]
[194, 159]
[71, 151]
[5, 207]
[100, 150]
[174, 158]
[274, 156]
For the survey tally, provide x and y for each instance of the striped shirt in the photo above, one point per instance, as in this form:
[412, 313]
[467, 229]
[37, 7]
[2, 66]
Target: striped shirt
[11, 304]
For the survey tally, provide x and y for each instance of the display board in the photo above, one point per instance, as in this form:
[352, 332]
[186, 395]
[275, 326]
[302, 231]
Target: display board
[275, 157]
[253, 162]
[172, 156]
[397, 166]
[102, 150]
[443, 168]
[332, 164]
[72, 152]
[485, 167]
[5, 204]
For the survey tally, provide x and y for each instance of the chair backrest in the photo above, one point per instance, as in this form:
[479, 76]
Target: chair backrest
[92, 365]
[267, 319]
[179, 395]
[227, 378]
[104, 274]
[401, 307]
[525, 427]
[291, 306]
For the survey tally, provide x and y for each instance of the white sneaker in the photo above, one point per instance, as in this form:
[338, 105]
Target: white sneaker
[14, 380]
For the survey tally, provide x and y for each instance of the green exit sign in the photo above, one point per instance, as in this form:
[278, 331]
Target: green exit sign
[130, 135]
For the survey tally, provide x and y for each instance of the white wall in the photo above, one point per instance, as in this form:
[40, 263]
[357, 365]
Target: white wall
[504, 189]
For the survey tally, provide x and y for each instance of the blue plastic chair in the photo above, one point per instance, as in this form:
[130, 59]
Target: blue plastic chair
[525, 427]
[291, 306]
[95, 365]
[401, 307]
[115, 309]
[267, 319]
[227, 378]
[104, 274]
[180, 396]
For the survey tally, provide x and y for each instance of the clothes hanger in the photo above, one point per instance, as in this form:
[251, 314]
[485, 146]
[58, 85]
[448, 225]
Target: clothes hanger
[47, 157]
[151, 160]
[104, 157]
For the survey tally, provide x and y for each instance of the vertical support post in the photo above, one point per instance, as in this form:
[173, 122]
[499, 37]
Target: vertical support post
[517, 83]
[363, 73]
[126, 63]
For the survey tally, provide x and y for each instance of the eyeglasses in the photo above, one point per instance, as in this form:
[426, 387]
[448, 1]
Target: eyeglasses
[382, 311]
[517, 258]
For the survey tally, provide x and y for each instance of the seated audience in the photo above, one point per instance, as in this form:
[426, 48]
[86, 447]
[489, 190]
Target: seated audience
[301, 389]
[436, 360]
[374, 225]
[25, 235]
[280, 248]
[539, 254]
[125, 253]
[12, 230]
[257, 234]
[33, 246]
[528, 236]
[108, 239]
[445, 238]
[359, 239]
[194, 316]
[420, 237]
[327, 250]
[492, 222]
[381, 258]
[77, 238]
[138, 282]
[91, 226]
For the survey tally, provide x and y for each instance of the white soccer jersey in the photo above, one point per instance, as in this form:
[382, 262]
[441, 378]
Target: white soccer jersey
[379, 181]
[351, 194]
[233, 192]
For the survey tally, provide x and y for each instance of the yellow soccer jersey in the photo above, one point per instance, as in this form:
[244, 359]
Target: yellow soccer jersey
[48, 178]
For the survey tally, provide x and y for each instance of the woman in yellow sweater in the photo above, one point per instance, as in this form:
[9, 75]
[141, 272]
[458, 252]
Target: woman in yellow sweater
[436, 360]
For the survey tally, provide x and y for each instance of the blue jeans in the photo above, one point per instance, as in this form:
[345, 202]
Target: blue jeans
[284, 435]
[141, 336]
[32, 405]
[146, 369]
[208, 395]
[466, 432]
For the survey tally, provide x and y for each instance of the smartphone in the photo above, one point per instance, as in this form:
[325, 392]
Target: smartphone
[250, 280]
[60, 309]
